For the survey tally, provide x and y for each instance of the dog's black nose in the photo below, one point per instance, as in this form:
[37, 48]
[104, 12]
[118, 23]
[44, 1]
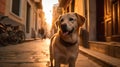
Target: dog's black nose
[64, 27]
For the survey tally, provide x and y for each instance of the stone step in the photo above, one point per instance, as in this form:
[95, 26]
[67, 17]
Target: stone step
[108, 48]
[100, 58]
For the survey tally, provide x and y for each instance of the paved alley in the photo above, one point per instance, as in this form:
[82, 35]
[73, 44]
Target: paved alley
[33, 54]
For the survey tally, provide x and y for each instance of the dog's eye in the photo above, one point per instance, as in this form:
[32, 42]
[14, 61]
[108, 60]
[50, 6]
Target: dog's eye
[71, 19]
[61, 20]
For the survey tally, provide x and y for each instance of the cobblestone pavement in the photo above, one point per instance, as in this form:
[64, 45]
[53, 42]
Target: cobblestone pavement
[33, 54]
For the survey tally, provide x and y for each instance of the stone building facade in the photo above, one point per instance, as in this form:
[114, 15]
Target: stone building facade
[102, 23]
[2, 7]
[25, 13]
[97, 13]
[56, 13]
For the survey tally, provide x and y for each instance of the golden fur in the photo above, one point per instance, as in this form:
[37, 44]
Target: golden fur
[64, 44]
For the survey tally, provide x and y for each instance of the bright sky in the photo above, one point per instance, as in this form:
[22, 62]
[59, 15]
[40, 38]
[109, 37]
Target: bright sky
[47, 8]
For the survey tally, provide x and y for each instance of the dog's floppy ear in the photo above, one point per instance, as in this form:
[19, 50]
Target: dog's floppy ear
[80, 19]
[57, 21]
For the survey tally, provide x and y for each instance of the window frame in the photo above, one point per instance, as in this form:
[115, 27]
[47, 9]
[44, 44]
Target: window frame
[19, 9]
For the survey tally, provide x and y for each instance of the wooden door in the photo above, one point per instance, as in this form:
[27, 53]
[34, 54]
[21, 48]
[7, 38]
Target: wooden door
[112, 20]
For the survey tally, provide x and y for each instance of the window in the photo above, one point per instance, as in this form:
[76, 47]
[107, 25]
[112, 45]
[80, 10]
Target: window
[16, 7]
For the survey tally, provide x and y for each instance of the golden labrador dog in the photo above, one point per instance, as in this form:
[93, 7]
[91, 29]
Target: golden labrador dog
[64, 44]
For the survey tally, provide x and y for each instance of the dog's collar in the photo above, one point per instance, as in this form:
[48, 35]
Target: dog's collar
[67, 44]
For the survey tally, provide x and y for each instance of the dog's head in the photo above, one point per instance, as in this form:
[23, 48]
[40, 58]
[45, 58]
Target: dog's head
[69, 23]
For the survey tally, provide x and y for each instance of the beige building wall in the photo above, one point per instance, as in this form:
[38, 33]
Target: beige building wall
[90, 23]
[91, 19]
[2, 7]
[32, 21]
[79, 7]
[56, 13]
[11, 15]
[22, 18]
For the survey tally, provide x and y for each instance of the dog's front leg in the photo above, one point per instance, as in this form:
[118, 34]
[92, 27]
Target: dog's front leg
[57, 64]
[71, 65]
[51, 61]
[72, 62]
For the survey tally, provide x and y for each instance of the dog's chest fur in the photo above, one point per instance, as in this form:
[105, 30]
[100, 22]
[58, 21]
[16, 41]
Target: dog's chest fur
[62, 52]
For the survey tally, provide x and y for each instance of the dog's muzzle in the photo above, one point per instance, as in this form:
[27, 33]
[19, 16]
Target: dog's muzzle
[65, 30]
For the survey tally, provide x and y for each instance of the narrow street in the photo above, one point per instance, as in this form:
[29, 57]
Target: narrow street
[34, 54]
[23, 20]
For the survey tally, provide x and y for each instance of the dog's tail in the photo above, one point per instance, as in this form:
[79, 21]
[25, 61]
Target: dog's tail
[84, 38]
